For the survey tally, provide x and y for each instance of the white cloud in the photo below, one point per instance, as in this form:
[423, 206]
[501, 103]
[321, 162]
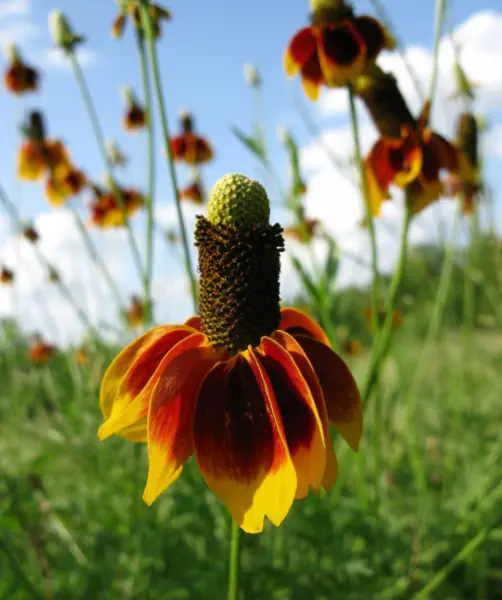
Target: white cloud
[10, 8]
[56, 59]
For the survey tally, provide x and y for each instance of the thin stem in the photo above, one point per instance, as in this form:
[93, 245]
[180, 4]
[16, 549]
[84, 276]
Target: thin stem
[234, 564]
[100, 139]
[147, 283]
[375, 288]
[438, 30]
[148, 27]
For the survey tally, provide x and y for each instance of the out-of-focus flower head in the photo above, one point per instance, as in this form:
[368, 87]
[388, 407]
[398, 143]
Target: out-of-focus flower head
[135, 117]
[252, 76]
[247, 387]
[53, 275]
[81, 356]
[407, 154]
[64, 182]
[115, 156]
[194, 192]
[19, 78]
[189, 147]
[62, 33]
[30, 233]
[135, 313]
[6, 275]
[336, 48]
[352, 347]
[106, 208]
[130, 9]
[38, 155]
[41, 352]
[172, 236]
[302, 232]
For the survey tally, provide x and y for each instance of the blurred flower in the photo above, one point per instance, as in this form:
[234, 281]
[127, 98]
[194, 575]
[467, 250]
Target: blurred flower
[30, 233]
[41, 352]
[352, 347]
[172, 236]
[194, 192]
[336, 48]
[53, 275]
[246, 387]
[62, 33]
[252, 76]
[408, 154]
[64, 182]
[135, 313]
[19, 77]
[130, 9]
[6, 275]
[187, 146]
[81, 356]
[107, 211]
[114, 154]
[303, 232]
[135, 116]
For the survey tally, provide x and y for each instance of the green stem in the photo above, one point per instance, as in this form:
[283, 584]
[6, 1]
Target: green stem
[375, 288]
[100, 139]
[438, 30]
[148, 27]
[15, 563]
[234, 564]
[147, 283]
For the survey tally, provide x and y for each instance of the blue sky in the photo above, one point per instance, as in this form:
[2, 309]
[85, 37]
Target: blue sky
[202, 54]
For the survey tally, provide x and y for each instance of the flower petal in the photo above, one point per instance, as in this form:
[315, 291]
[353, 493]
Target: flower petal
[194, 322]
[300, 50]
[296, 352]
[343, 401]
[295, 322]
[306, 434]
[128, 375]
[171, 411]
[312, 77]
[375, 36]
[240, 444]
[342, 53]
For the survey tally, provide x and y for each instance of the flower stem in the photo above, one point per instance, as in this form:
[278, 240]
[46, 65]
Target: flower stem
[147, 282]
[148, 28]
[375, 288]
[234, 564]
[100, 139]
[438, 30]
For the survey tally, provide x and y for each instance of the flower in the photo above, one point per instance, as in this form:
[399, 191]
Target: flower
[41, 352]
[30, 233]
[247, 387]
[19, 77]
[37, 154]
[194, 192]
[135, 116]
[115, 156]
[187, 146]
[65, 181]
[53, 275]
[107, 211]
[129, 8]
[135, 314]
[6, 275]
[303, 232]
[352, 347]
[407, 154]
[81, 356]
[336, 48]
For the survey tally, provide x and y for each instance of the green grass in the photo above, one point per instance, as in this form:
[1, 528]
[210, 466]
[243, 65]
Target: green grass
[73, 525]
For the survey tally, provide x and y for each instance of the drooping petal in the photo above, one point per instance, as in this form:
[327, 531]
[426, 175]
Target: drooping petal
[312, 77]
[306, 383]
[343, 401]
[240, 443]
[375, 36]
[295, 321]
[300, 50]
[408, 160]
[342, 53]
[171, 411]
[421, 192]
[129, 373]
[194, 322]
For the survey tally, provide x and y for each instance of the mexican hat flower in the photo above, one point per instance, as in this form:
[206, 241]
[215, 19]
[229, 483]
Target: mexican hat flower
[189, 147]
[469, 186]
[64, 182]
[39, 155]
[246, 387]
[30, 233]
[41, 352]
[135, 115]
[407, 154]
[193, 192]
[107, 209]
[336, 48]
[19, 77]
[135, 314]
[304, 231]
[129, 9]
[352, 347]
[6, 275]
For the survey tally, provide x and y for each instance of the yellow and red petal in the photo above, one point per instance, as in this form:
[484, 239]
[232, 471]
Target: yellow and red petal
[30, 163]
[375, 36]
[240, 443]
[302, 424]
[312, 77]
[300, 51]
[295, 322]
[171, 411]
[296, 352]
[342, 53]
[408, 160]
[194, 322]
[343, 401]
[129, 374]
[422, 192]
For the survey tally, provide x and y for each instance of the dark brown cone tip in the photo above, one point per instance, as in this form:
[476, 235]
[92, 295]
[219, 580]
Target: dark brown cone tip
[239, 282]
[331, 16]
[386, 105]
